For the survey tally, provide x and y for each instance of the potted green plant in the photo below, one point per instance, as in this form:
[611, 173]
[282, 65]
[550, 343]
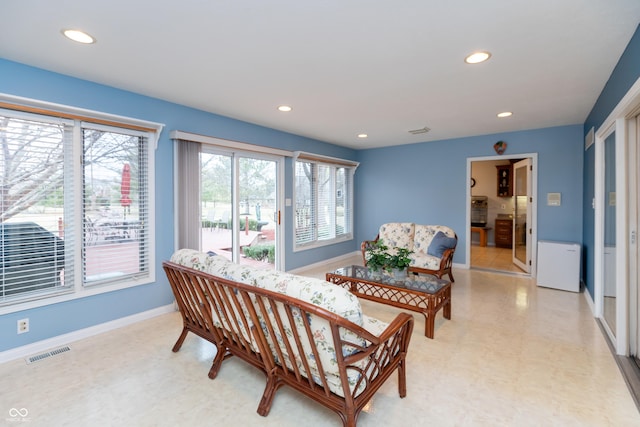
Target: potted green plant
[379, 257]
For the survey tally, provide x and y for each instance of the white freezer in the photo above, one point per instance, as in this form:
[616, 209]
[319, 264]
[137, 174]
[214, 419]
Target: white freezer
[559, 265]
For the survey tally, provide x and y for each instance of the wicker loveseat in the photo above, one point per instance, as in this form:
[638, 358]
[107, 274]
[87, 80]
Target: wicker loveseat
[432, 245]
[301, 332]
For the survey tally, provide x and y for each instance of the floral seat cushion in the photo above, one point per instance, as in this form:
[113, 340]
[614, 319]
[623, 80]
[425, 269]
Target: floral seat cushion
[208, 263]
[315, 291]
[423, 238]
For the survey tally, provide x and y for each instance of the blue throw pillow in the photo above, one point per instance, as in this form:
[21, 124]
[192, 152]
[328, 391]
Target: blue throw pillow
[440, 243]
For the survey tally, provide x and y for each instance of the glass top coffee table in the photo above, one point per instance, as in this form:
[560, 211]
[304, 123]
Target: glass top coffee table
[424, 294]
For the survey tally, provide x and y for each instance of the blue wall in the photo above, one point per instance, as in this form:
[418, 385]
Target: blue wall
[426, 183]
[624, 75]
[50, 321]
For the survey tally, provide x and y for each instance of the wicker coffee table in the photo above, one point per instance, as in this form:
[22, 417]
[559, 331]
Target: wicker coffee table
[425, 294]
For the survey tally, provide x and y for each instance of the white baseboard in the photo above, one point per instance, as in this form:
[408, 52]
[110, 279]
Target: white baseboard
[37, 347]
[337, 260]
[460, 266]
[587, 296]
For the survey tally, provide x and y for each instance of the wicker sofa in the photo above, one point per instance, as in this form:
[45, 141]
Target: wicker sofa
[432, 245]
[302, 332]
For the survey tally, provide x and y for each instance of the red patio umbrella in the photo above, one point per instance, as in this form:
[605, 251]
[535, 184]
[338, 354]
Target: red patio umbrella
[125, 187]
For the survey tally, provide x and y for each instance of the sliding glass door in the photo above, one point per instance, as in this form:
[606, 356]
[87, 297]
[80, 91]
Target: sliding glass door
[240, 207]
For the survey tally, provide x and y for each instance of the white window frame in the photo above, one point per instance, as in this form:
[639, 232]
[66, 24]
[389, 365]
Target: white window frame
[333, 162]
[19, 106]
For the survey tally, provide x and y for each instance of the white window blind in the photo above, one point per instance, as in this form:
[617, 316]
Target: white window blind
[34, 256]
[323, 200]
[115, 205]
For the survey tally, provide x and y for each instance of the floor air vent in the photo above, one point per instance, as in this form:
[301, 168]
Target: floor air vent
[41, 356]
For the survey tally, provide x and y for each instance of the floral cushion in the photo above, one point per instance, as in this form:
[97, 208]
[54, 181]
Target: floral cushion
[423, 237]
[425, 261]
[205, 262]
[417, 238]
[397, 234]
[323, 294]
[191, 258]
[315, 291]
[375, 327]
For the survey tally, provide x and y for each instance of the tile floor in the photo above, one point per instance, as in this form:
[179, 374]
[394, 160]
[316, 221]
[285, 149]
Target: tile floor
[512, 355]
[492, 258]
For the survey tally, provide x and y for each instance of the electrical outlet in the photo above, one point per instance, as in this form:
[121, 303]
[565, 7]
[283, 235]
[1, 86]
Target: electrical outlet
[503, 206]
[23, 326]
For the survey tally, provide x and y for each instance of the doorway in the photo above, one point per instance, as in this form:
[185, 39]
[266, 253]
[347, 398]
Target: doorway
[506, 241]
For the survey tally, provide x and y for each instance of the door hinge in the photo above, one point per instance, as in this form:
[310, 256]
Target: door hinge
[531, 231]
[633, 237]
[529, 262]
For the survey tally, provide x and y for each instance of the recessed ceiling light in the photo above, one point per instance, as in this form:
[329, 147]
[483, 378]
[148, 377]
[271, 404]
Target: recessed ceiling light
[78, 36]
[505, 114]
[362, 135]
[284, 108]
[477, 57]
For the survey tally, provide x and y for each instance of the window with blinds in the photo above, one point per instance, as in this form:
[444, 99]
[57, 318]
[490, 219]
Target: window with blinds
[323, 202]
[54, 206]
[32, 206]
[115, 206]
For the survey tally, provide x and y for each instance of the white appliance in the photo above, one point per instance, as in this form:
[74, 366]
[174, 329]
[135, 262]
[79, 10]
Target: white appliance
[559, 265]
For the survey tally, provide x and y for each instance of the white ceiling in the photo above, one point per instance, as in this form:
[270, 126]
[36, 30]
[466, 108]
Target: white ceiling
[345, 66]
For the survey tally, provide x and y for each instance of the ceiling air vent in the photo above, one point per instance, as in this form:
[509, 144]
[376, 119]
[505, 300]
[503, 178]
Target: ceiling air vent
[419, 131]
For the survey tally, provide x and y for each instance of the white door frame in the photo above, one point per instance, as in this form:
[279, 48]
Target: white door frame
[633, 133]
[534, 205]
[619, 120]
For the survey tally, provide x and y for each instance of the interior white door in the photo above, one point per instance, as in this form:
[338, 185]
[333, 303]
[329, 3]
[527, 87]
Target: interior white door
[522, 211]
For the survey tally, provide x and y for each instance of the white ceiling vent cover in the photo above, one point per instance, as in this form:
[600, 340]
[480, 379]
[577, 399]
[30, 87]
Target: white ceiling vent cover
[45, 355]
[419, 131]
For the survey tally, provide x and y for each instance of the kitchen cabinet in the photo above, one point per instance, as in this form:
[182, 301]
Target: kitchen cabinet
[503, 233]
[505, 180]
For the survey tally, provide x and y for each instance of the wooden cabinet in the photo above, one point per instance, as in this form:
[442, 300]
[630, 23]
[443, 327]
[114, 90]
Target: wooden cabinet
[504, 233]
[505, 180]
